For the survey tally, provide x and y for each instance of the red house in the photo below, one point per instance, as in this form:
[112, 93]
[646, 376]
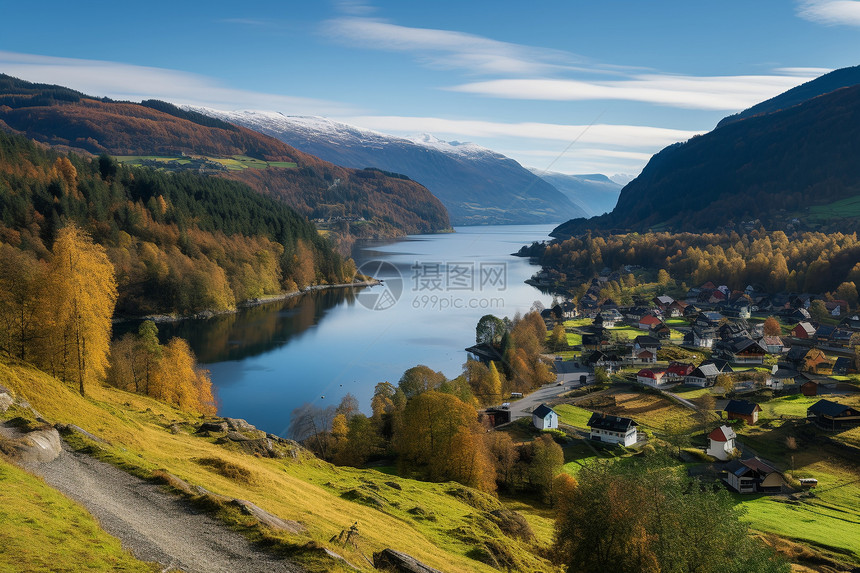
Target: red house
[650, 377]
[742, 410]
[679, 370]
[803, 330]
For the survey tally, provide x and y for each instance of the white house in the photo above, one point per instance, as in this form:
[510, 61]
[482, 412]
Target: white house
[650, 377]
[613, 429]
[705, 375]
[544, 418]
[721, 443]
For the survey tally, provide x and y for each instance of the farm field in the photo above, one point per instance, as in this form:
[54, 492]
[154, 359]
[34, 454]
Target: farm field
[234, 163]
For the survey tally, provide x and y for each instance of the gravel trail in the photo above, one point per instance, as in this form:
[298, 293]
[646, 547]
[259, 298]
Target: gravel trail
[153, 524]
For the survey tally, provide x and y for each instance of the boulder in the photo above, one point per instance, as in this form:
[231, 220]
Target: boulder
[391, 560]
[6, 400]
[36, 447]
[267, 519]
[219, 427]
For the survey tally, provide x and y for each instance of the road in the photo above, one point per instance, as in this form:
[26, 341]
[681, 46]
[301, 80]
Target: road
[568, 376]
[155, 525]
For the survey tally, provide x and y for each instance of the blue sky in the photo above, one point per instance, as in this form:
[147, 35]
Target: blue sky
[577, 86]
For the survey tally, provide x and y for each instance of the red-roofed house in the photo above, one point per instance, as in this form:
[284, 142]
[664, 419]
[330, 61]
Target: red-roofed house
[650, 377]
[678, 370]
[721, 443]
[648, 322]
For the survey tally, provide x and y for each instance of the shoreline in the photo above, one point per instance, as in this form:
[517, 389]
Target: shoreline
[267, 299]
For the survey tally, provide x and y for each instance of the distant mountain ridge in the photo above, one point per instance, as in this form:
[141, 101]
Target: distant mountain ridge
[359, 202]
[781, 168]
[593, 193]
[477, 185]
[841, 78]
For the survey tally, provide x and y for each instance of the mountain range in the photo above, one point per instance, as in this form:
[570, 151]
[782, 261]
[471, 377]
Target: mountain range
[594, 193]
[788, 163]
[361, 203]
[476, 185]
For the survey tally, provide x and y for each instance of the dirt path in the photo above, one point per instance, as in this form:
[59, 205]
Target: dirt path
[155, 525]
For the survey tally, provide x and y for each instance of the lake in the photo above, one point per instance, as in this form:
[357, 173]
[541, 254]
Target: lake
[267, 360]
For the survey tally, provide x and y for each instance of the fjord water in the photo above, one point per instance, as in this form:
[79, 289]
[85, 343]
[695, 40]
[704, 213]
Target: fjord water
[267, 360]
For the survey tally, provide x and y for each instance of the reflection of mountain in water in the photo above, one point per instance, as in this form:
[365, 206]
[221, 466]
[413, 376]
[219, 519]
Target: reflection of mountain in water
[254, 330]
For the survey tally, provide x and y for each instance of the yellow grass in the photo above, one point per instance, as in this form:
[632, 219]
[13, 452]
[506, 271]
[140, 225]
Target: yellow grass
[306, 490]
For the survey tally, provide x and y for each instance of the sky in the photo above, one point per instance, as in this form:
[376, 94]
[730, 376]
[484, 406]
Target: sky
[575, 87]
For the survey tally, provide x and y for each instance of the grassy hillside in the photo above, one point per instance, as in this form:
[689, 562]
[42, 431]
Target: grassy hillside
[45, 531]
[445, 525]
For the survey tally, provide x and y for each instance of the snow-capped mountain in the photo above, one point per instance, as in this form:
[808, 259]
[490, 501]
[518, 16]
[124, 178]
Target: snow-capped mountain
[476, 185]
[594, 193]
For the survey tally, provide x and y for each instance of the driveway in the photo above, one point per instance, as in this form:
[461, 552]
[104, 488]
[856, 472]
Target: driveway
[567, 379]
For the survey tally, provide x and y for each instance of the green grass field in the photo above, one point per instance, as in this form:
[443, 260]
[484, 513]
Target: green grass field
[573, 415]
[845, 208]
[45, 531]
[234, 163]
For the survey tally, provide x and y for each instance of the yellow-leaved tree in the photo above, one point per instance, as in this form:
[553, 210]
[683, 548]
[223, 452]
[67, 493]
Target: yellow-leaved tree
[80, 300]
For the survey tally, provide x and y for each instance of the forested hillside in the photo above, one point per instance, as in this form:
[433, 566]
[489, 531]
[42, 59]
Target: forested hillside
[775, 167]
[179, 242]
[365, 204]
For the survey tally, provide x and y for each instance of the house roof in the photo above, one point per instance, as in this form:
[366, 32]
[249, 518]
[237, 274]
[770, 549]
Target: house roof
[646, 341]
[827, 408]
[773, 341]
[747, 345]
[648, 373]
[759, 465]
[722, 365]
[649, 319]
[543, 411]
[680, 368]
[742, 407]
[705, 371]
[722, 434]
[665, 300]
[611, 423]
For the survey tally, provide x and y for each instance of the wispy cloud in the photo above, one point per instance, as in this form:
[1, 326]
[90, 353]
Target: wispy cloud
[450, 49]
[135, 83]
[708, 93]
[533, 73]
[830, 12]
[602, 134]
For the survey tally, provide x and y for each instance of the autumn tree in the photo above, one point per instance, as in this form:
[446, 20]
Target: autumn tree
[439, 437]
[772, 326]
[557, 340]
[419, 379]
[547, 458]
[81, 298]
[504, 455]
[22, 278]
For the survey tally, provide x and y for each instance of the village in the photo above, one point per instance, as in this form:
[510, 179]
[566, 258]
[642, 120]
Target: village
[747, 388]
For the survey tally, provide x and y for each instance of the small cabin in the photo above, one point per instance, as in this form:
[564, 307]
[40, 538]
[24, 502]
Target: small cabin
[544, 418]
[742, 410]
